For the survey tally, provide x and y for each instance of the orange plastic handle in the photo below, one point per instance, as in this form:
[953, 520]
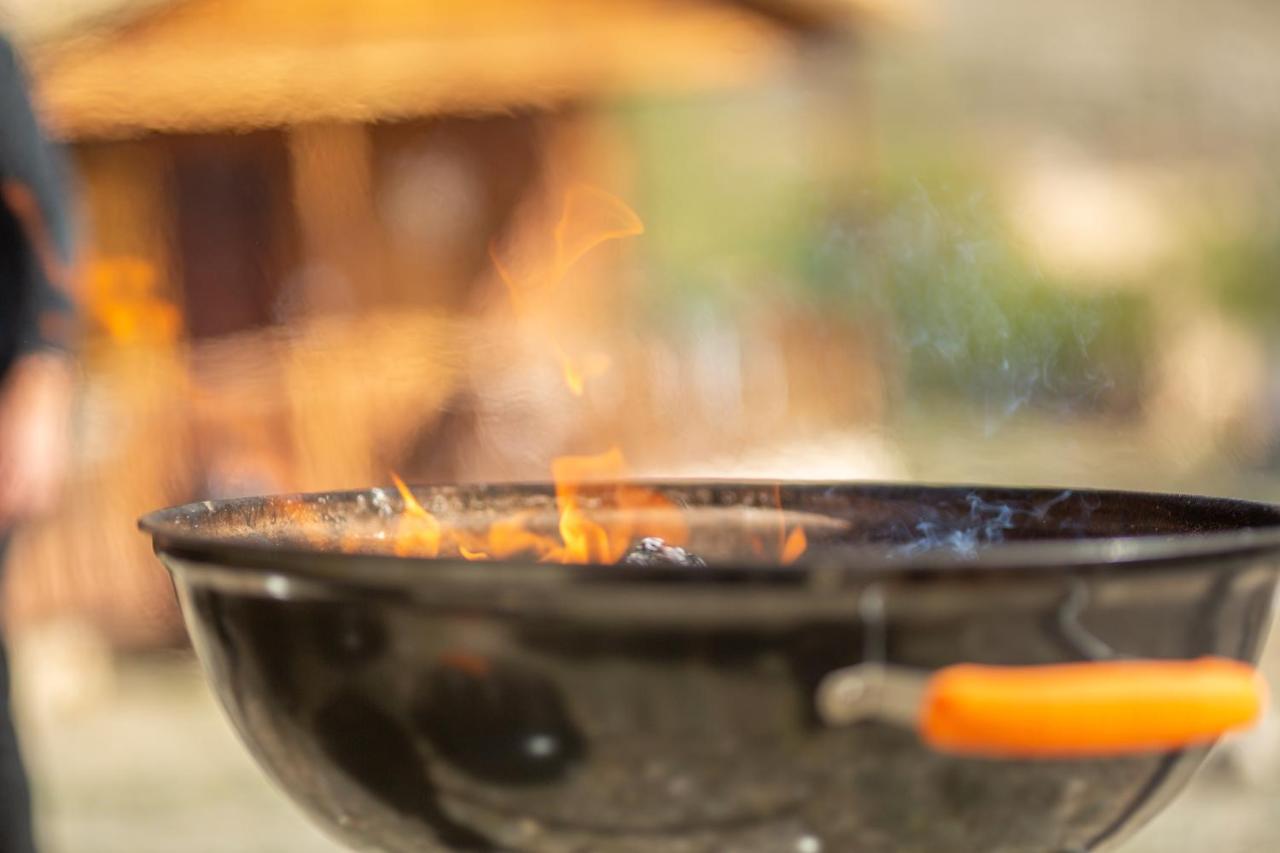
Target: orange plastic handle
[1088, 709]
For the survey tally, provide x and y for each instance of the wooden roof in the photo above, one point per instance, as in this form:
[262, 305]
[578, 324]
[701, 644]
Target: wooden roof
[202, 65]
[33, 21]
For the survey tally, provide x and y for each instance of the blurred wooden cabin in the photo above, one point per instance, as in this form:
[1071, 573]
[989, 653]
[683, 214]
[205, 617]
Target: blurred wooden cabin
[286, 195]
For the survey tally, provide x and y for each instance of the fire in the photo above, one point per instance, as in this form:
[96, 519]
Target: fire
[578, 371]
[794, 546]
[511, 537]
[600, 516]
[420, 531]
[791, 544]
[590, 217]
[468, 554]
[583, 485]
[590, 541]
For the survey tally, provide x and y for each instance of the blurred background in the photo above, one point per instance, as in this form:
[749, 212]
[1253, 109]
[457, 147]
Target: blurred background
[901, 239]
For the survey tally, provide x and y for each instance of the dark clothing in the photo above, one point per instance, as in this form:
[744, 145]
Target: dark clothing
[35, 228]
[36, 312]
[16, 834]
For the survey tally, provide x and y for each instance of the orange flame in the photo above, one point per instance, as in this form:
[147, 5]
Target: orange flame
[794, 546]
[577, 372]
[420, 533]
[514, 289]
[597, 523]
[632, 511]
[585, 540]
[590, 217]
[791, 545]
[468, 554]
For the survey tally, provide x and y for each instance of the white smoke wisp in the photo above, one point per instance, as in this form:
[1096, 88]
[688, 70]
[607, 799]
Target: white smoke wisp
[985, 525]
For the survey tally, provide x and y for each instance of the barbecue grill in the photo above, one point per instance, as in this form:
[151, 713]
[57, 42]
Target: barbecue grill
[943, 669]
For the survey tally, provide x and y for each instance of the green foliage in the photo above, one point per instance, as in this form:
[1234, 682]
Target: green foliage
[910, 244]
[973, 316]
[1243, 269]
[730, 214]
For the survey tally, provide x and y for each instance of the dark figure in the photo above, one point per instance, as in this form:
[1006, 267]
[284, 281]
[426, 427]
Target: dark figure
[36, 328]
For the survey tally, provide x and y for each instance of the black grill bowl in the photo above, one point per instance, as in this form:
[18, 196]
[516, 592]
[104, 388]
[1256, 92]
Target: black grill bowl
[413, 704]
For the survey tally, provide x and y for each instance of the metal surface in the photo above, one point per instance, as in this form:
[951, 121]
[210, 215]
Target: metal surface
[431, 704]
[870, 691]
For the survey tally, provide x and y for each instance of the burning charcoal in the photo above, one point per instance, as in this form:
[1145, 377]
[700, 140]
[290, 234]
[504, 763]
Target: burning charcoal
[652, 551]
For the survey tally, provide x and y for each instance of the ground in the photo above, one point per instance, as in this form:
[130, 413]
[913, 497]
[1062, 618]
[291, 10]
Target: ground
[154, 767]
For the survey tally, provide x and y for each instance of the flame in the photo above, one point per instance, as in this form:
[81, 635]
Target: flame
[590, 217]
[514, 288]
[511, 536]
[794, 546]
[626, 512]
[585, 541]
[600, 515]
[592, 541]
[791, 544]
[420, 532]
[577, 372]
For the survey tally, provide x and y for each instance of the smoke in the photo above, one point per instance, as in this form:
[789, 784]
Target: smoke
[986, 524]
[970, 316]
